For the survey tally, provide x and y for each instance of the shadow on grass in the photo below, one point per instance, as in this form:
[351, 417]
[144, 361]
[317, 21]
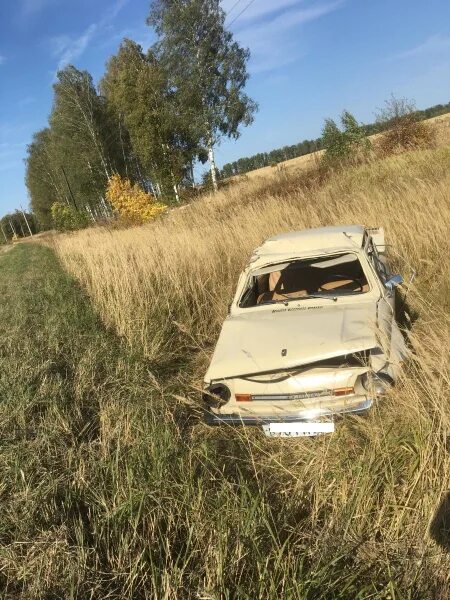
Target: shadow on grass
[440, 525]
[406, 315]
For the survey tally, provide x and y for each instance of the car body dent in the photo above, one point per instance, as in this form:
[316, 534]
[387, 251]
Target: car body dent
[308, 330]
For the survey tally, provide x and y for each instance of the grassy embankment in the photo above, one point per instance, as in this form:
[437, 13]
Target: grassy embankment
[114, 488]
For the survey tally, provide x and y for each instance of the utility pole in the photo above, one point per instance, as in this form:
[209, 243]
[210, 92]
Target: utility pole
[12, 228]
[70, 189]
[4, 234]
[26, 221]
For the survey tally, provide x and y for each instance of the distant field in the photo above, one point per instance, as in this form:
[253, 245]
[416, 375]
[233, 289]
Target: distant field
[442, 124]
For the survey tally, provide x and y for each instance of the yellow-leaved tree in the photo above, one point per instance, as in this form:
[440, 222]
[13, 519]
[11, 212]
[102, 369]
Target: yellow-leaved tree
[131, 201]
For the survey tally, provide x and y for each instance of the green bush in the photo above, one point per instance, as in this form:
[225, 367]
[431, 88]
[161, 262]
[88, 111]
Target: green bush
[347, 144]
[68, 218]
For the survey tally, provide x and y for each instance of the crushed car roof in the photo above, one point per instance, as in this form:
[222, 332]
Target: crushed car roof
[320, 239]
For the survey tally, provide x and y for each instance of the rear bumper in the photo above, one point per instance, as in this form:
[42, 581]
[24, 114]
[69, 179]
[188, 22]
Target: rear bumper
[212, 418]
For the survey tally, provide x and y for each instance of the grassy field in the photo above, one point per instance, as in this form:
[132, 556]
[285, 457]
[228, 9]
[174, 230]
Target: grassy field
[293, 166]
[112, 487]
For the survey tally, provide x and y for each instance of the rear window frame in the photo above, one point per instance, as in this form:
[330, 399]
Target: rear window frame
[358, 254]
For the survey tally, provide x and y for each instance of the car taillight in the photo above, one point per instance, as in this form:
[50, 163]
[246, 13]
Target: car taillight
[243, 397]
[347, 391]
[304, 396]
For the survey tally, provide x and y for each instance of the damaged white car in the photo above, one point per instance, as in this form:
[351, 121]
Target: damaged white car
[311, 333]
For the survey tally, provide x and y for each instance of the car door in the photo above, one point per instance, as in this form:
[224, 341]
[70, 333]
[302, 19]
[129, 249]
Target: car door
[390, 335]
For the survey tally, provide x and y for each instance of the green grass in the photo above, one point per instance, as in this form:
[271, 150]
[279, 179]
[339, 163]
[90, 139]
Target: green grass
[111, 487]
[100, 494]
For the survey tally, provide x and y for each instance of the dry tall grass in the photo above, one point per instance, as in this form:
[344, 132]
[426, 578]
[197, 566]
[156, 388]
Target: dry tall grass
[166, 286]
[358, 513]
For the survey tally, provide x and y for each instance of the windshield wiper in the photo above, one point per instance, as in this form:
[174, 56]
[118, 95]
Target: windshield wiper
[288, 299]
[325, 296]
[277, 301]
[271, 302]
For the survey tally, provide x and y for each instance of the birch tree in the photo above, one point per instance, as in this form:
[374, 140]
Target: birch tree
[78, 114]
[207, 67]
[44, 181]
[72, 159]
[90, 148]
[137, 87]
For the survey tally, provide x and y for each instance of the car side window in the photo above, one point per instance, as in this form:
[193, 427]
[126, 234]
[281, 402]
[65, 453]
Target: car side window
[248, 297]
[377, 263]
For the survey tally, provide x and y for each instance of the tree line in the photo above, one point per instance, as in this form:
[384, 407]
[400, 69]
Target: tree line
[18, 224]
[265, 159]
[153, 116]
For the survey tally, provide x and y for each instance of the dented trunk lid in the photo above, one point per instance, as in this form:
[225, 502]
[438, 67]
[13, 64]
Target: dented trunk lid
[284, 337]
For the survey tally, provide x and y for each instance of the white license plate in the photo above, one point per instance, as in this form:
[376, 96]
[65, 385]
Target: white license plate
[299, 429]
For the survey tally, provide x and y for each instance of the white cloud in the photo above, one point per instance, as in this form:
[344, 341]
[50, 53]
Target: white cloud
[142, 34]
[257, 9]
[59, 44]
[435, 44]
[274, 43]
[288, 20]
[115, 10]
[67, 49]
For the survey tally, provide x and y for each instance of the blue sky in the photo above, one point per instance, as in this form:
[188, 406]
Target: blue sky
[310, 60]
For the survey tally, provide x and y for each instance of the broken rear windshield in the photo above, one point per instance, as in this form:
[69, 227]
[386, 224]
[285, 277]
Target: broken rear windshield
[334, 275]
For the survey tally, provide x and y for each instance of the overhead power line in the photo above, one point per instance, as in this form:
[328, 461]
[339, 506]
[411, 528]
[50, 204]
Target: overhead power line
[242, 12]
[233, 7]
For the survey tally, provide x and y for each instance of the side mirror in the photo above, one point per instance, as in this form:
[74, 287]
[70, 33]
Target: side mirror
[393, 282]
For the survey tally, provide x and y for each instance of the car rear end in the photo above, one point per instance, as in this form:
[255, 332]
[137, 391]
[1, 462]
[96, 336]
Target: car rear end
[319, 391]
